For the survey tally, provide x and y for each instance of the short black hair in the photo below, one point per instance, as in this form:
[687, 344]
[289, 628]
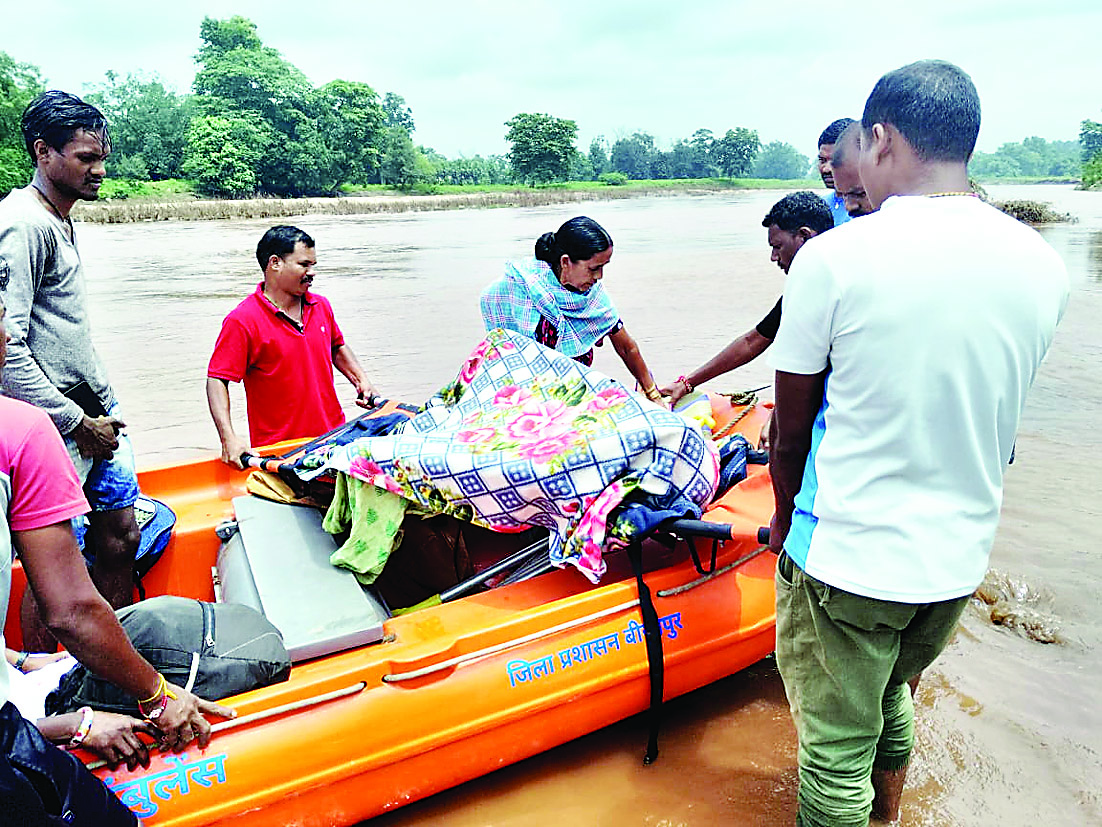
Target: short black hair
[54, 116]
[844, 145]
[800, 209]
[280, 241]
[933, 104]
[831, 133]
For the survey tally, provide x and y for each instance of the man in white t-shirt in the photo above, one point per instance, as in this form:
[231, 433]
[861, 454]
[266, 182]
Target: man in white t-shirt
[907, 345]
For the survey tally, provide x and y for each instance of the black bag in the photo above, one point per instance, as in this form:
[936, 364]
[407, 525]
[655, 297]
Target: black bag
[213, 649]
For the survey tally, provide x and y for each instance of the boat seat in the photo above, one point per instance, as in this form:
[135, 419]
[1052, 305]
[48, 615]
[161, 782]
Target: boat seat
[277, 562]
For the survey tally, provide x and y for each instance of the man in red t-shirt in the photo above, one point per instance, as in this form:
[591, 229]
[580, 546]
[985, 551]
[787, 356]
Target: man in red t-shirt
[283, 342]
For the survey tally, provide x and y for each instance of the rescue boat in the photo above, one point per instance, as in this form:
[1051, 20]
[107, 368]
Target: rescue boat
[453, 691]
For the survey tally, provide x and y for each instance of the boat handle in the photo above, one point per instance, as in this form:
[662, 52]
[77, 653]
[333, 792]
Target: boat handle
[265, 714]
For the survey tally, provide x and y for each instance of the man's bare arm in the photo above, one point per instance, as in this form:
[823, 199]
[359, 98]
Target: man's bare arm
[218, 400]
[87, 627]
[346, 362]
[747, 347]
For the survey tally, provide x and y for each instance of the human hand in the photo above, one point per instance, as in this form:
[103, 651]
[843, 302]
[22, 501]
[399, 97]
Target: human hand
[97, 438]
[677, 389]
[232, 449]
[674, 391]
[39, 660]
[366, 395]
[182, 720]
[114, 738]
[763, 440]
[777, 535]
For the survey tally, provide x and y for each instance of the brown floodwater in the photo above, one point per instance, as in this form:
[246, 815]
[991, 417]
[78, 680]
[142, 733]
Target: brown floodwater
[1009, 729]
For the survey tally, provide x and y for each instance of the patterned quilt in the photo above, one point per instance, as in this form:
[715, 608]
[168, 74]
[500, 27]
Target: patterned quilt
[526, 436]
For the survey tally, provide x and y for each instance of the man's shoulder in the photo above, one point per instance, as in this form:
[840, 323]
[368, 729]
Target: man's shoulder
[20, 211]
[320, 300]
[21, 421]
[248, 308]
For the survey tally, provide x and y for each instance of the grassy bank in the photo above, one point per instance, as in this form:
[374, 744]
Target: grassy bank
[130, 201]
[1030, 179]
[169, 201]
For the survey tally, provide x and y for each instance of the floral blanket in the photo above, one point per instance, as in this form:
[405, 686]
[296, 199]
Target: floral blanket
[526, 436]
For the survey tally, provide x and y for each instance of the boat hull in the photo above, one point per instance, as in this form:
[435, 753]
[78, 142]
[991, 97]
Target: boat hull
[454, 691]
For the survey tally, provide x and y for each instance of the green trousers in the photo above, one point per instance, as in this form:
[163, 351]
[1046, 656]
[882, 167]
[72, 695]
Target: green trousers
[845, 661]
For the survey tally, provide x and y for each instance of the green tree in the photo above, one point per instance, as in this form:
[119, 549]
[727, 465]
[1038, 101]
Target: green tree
[598, 155]
[237, 72]
[352, 118]
[542, 147]
[1092, 171]
[324, 137]
[19, 83]
[397, 113]
[704, 142]
[1090, 139]
[636, 156]
[148, 123]
[581, 169]
[780, 160]
[477, 170]
[993, 165]
[223, 154]
[403, 166]
[735, 152]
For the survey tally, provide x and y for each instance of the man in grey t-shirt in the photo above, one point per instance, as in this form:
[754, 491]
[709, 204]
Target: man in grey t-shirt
[51, 361]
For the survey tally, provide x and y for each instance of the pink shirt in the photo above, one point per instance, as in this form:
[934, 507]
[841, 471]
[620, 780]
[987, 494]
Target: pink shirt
[38, 486]
[287, 370]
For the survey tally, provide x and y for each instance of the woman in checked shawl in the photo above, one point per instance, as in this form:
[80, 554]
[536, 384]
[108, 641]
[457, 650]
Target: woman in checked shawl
[557, 299]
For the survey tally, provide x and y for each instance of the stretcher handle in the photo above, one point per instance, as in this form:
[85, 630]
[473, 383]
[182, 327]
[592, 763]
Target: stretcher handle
[270, 464]
[716, 531]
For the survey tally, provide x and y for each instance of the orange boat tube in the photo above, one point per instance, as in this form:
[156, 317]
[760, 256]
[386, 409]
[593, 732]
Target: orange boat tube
[454, 691]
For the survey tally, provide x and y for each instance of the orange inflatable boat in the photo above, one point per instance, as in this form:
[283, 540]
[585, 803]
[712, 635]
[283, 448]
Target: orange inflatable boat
[457, 690]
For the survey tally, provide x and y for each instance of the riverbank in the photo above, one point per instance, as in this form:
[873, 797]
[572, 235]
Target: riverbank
[123, 211]
[185, 207]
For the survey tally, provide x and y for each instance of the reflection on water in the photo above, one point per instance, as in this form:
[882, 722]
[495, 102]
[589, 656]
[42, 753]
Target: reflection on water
[1009, 731]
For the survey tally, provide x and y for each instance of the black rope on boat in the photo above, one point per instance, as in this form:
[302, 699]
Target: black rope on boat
[653, 636]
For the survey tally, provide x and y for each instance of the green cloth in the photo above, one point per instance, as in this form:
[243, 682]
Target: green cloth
[845, 661]
[375, 517]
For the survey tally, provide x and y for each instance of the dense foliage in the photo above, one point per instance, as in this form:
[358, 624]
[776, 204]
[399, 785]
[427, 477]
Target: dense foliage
[781, 160]
[149, 127]
[1033, 157]
[1090, 139]
[254, 124]
[19, 83]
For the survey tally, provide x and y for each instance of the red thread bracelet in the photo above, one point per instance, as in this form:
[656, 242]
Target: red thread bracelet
[85, 727]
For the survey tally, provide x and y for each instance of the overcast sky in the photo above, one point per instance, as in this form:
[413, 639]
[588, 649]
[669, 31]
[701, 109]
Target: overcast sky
[614, 66]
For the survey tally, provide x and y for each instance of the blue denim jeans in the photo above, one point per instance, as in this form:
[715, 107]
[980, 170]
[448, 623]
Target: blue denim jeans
[109, 484]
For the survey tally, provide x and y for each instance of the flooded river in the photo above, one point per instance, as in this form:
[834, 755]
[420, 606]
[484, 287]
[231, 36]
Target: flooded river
[1009, 729]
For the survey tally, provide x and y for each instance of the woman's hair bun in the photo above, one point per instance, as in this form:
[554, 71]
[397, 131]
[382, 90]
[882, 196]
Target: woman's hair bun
[545, 248]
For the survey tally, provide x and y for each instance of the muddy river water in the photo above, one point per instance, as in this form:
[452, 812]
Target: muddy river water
[1009, 729]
